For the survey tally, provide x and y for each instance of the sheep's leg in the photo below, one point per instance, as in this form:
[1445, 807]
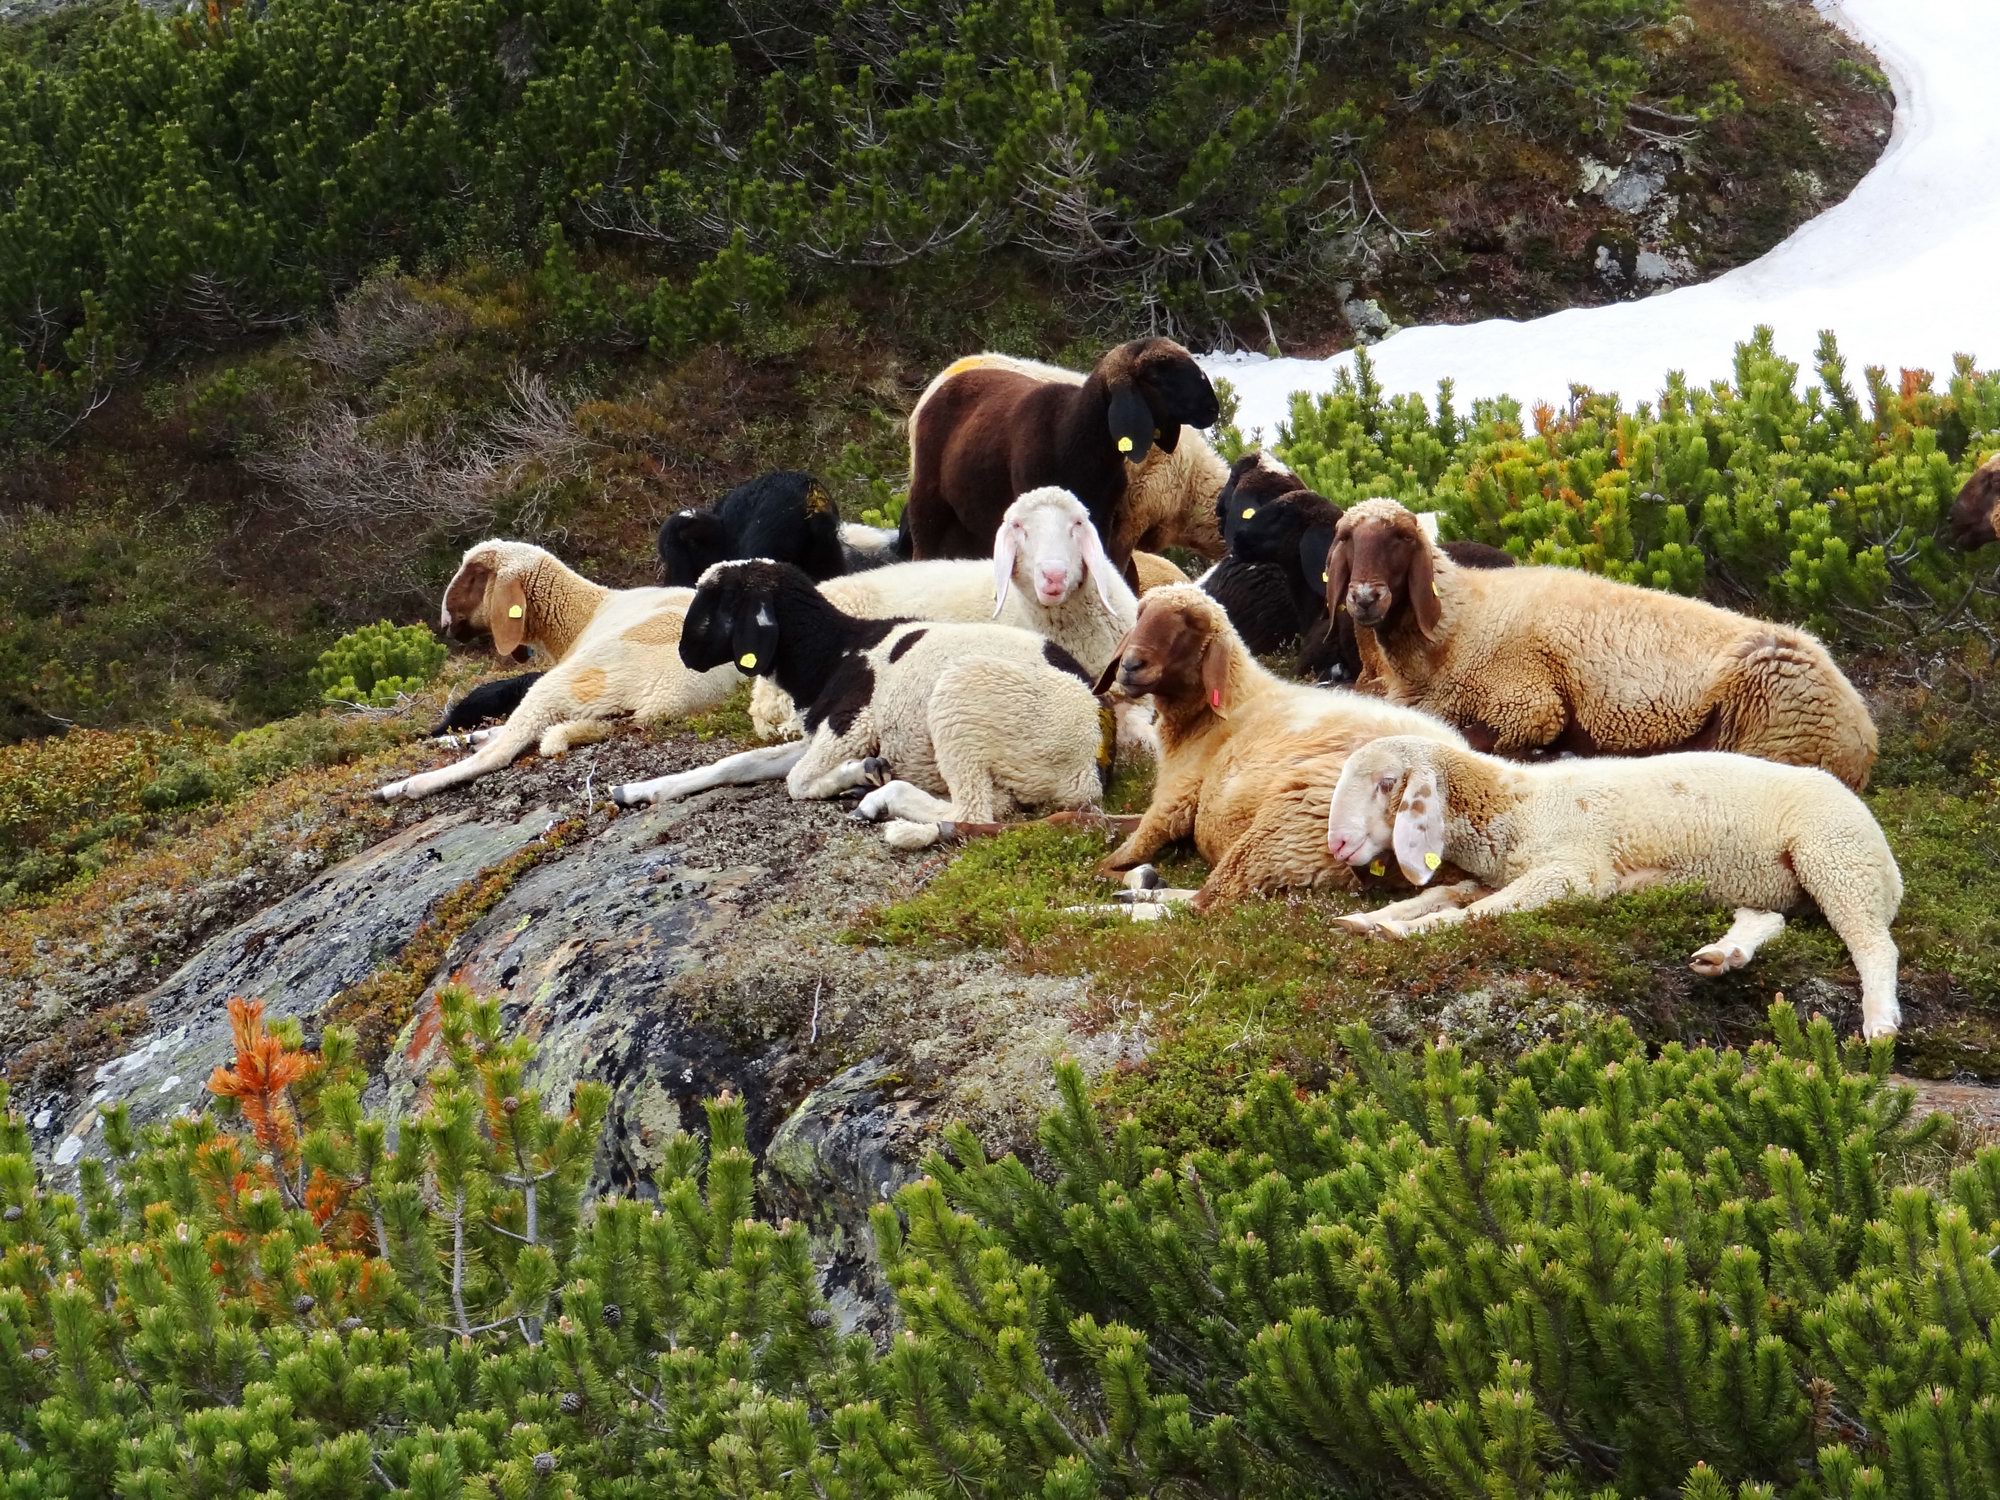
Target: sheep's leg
[900, 799]
[572, 734]
[1434, 898]
[765, 763]
[1170, 817]
[470, 740]
[499, 751]
[1751, 930]
[1539, 887]
[837, 763]
[1859, 906]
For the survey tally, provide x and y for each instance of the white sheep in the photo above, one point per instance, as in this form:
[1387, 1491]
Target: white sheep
[614, 653]
[995, 718]
[1755, 834]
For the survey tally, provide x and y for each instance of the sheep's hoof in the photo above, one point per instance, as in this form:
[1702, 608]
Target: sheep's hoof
[1143, 878]
[1717, 958]
[876, 769]
[622, 795]
[390, 792]
[1875, 1031]
[1358, 924]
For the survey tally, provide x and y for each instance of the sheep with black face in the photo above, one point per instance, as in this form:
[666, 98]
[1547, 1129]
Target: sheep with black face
[1124, 439]
[995, 719]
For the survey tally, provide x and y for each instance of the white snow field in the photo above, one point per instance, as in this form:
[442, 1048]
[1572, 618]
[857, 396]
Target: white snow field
[1905, 271]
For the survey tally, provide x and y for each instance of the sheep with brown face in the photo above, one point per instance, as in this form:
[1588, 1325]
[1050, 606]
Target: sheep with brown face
[1247, 761]
[1123, 439]
[1529, 659]
[1975, 515]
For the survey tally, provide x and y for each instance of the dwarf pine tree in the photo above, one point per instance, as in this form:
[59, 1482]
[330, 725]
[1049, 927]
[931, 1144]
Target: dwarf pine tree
[1596, 1272]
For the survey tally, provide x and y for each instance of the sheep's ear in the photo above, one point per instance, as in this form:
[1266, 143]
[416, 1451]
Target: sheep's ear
[1424, 592]
[1419, 834]
[1215, 675]
[1167, 434]
[1100, 567]
[1006, 544]
[1131, 423]
[1110, 672]
[754, 637]
[1314, 564]
[1334, 571]
[507, 611]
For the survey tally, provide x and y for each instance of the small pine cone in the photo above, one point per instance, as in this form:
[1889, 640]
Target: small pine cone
[545, 1464]
[509, 1105]
[819, 1317]
[39, 1353]
[353, 1325]
[13, 1213]
[303, 1303]
[613, 1315]
[572, 1403]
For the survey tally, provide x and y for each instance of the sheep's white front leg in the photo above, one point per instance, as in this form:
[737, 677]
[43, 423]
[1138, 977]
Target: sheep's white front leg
[900, 799]
[1410, 907]
[836, 763]
[508, 744]
[1751, 930]
[765, 763]
[1538, 887]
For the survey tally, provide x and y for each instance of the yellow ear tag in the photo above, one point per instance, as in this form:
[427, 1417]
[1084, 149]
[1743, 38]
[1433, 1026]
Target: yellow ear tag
[747, 661]
[1435, 589]
[1431, 861]
[1376, 867]
[1324, 579]
[1249, 513]
[1124, 445]
[513, 611]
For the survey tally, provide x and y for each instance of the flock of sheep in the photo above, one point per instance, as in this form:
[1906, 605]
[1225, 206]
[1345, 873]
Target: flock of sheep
[1512, 735]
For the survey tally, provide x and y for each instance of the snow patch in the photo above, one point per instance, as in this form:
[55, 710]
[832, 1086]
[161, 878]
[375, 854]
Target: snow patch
[1901, 271]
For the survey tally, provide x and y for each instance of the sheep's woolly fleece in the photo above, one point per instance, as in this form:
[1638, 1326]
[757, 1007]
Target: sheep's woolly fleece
[1895, 270]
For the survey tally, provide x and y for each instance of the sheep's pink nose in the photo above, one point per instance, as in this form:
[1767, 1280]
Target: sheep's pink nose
[1054, 579]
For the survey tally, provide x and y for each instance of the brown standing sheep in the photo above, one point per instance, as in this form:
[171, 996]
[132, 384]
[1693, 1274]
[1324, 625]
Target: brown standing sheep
[1975, 514]
[1248, 761]
[992, 427]
[1528, 659]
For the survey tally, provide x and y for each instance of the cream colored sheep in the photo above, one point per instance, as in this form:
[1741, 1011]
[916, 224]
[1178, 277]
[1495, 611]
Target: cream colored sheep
[615, 652]
[1756, 835]
[1527, 659]
[1247, 760]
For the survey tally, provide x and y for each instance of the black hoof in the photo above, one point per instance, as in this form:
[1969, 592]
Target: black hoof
[876, 769]
[1143, 878]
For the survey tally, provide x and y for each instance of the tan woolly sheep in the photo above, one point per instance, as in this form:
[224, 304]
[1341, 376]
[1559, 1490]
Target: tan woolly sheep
[1247, 760]
[1756, 835]
[1527, 659]
[615, 653]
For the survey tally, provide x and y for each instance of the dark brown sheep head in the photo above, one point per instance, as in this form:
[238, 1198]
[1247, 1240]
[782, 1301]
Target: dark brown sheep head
[1154, 388]
[1177, 652]
[488, 596]
[1254, 481]
[1975, 514]
[1381, 565]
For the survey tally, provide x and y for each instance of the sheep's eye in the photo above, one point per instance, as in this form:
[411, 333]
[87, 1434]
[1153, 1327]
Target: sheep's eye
[1386, 784]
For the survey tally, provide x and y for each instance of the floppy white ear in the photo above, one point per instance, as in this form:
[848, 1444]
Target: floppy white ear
[1005, 544]
[1427, 522]
[1094, 558]
[1419, 834]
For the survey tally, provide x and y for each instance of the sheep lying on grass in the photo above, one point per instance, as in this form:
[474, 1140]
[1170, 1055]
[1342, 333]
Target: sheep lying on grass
[613, 651]
[1247, 760]
[1757, 835]
[1527, 659]
[996, 719]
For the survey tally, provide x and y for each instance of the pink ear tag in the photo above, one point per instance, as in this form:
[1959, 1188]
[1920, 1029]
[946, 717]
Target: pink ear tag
[1215, 698]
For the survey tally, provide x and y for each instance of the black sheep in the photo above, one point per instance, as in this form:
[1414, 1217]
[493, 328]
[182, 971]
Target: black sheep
[1255, 594]
[785, 516]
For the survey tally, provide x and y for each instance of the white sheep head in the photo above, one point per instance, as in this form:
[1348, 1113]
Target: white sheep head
[1390, 796]
[488, 595]
[1044, 547]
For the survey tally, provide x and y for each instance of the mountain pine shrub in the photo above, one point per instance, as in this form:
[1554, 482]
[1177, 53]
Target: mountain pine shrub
[378, 663]
[1801, 501]
[1595, 1272]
